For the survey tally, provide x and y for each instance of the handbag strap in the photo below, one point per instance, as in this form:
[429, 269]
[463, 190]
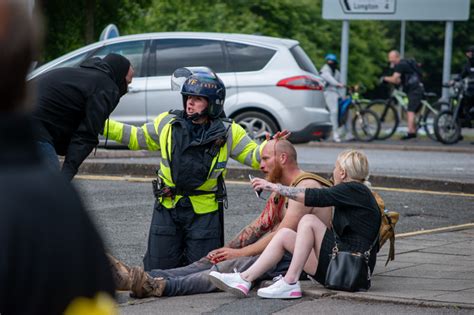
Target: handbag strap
[336, 237]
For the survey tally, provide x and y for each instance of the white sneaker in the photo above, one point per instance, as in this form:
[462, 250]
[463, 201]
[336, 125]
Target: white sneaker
[230, 282]
[281, 290]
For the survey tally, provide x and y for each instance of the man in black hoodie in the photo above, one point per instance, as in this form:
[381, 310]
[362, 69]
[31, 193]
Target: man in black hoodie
[73, 104]
[51, 256]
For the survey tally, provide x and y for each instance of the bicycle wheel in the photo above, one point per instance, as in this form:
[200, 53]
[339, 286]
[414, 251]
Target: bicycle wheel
[366, 125]
[447, 128]
[388, 116]
[428, 119]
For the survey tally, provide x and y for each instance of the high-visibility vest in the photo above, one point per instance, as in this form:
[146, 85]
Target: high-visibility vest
[157, 136]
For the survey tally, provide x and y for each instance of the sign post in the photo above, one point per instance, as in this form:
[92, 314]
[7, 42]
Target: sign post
[398, 10]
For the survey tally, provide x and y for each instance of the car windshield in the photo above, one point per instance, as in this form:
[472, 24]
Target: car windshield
[303, 60]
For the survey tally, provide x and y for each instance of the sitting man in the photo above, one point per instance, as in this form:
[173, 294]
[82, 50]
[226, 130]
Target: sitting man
[279, 163]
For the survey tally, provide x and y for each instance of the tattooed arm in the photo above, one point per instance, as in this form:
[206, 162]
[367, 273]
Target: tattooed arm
[295, 193]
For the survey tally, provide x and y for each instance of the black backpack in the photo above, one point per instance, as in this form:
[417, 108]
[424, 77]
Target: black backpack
[469, 83]
[413, 79]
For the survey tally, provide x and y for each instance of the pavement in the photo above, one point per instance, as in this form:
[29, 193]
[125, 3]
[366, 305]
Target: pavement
[431, 268]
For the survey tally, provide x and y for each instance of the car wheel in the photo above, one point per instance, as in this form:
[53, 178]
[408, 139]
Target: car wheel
[256, 124]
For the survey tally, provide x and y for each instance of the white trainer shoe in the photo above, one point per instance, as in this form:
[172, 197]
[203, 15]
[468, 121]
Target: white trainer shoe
[281, 290]
[230, 282]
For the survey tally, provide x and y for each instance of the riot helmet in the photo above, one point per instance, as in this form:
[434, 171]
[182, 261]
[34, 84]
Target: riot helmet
[208, 85]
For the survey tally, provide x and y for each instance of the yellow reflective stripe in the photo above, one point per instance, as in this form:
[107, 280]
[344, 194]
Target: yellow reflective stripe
[248, 159]
[126, 134]
[240, 147]
[165, 162]
[230, 141]
[216, 174]
[141, 139]
[150, 128]
[163, 122]
[257, 153]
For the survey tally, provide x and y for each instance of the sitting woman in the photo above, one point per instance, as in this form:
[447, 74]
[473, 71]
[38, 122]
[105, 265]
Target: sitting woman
[356, 221]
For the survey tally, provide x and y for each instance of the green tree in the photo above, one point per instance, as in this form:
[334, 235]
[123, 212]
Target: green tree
[73, 24]
[300, 20]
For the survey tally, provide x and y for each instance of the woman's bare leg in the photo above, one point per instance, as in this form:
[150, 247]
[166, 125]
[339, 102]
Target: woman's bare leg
[310, 236]
[283, 240]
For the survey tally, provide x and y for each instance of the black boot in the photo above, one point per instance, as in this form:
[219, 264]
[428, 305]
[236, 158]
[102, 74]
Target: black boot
[408, 136]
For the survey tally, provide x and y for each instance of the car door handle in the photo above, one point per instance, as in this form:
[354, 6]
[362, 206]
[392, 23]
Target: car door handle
[132, 89]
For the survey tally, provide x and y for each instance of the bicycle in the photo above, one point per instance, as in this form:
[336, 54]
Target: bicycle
[390, 118]
[448, 122]
[366, 123]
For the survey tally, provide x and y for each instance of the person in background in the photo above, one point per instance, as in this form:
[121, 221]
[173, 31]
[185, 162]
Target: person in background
[72, 106]
[332, 93]
[52, 259]
[407, 74]
[467, 74]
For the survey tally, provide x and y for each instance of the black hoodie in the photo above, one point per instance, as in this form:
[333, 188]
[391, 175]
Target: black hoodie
[73, 104]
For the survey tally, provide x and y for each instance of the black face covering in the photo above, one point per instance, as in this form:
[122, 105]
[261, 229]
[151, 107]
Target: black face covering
[120, 66]
[333, 66]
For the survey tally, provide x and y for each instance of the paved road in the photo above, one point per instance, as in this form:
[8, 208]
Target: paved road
[123, 211]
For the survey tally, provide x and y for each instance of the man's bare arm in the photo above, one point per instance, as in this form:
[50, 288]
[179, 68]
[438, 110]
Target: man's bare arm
[295, 193]
[248, 235]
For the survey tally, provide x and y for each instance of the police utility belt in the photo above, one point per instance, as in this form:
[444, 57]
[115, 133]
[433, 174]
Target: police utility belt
[162, 190]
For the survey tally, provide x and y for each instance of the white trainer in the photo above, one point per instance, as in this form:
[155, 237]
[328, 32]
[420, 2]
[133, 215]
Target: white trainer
[230, 282]
[281, 290]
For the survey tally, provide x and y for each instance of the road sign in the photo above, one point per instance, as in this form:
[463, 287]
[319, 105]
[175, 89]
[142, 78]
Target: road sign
[407, 10]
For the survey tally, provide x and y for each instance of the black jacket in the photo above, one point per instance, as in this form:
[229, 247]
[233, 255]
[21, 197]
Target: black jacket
[50, 252]
[72, 106]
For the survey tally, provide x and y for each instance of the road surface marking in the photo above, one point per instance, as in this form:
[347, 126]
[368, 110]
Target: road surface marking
[419, 191]
[437, 230]
[239, 182]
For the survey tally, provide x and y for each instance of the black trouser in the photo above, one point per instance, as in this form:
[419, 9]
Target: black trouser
[194, 278]
[414, 99]
[179, 236]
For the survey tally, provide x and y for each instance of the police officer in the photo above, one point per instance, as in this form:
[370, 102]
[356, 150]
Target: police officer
[195, 144]
[407, 73]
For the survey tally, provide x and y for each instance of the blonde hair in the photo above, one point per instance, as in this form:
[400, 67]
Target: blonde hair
[355, 164]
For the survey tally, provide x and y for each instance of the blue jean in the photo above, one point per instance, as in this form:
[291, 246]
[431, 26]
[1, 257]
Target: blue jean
[194, 278]
[48, 154]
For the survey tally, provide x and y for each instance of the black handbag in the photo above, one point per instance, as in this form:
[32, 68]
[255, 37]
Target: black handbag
[348, 271]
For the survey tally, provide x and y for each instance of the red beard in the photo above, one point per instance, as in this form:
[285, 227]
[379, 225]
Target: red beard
[275, 175]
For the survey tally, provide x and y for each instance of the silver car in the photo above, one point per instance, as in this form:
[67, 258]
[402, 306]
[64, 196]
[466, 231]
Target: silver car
[271, 83]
